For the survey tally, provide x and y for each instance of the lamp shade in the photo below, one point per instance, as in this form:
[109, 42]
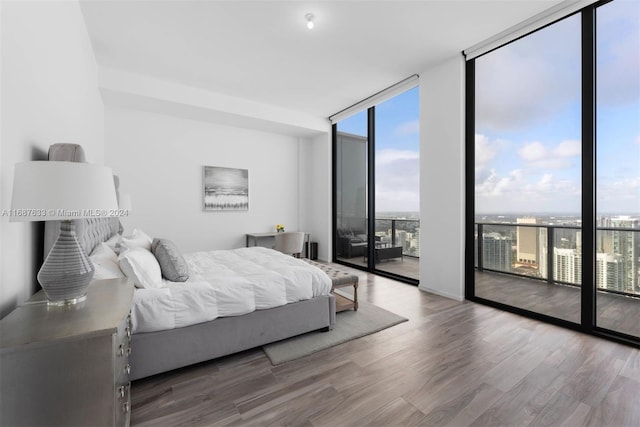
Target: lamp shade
[46, 191]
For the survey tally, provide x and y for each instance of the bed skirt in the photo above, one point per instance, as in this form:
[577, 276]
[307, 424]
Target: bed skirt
[162, 351]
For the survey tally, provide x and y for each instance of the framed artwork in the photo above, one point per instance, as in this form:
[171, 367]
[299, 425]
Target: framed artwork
[225, 189]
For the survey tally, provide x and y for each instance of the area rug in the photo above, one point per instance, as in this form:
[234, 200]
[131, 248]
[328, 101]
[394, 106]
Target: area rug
[349, 325]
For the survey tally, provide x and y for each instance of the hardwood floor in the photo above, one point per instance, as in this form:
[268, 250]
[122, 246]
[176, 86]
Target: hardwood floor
[452, 364]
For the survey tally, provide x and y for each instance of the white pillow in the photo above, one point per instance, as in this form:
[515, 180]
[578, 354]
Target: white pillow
[139, 239]
[141, 267]
[105, 261]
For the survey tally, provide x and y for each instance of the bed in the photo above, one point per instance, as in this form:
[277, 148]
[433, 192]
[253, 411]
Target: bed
[194, 327]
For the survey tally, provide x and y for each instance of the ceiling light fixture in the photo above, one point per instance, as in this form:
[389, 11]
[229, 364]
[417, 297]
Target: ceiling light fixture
[309, 17]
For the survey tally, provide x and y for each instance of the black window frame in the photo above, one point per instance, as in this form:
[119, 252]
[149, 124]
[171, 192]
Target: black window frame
[588, 313]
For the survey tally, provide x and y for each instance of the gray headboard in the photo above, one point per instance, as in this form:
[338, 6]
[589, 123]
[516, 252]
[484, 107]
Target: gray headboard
[90, 232]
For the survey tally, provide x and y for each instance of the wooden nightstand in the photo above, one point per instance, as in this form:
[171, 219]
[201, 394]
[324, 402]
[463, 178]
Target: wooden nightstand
[68, 365]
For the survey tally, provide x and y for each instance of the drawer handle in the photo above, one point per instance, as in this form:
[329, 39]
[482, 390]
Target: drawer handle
[125, 407]
[128, 332]
[120, 350]
[127, 369]
[128, 351]
[121, 391]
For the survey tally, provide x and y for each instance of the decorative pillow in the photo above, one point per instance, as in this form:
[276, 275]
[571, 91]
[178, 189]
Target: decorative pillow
[139, 239]
[172, 264]
[105, 261]
[141, 267]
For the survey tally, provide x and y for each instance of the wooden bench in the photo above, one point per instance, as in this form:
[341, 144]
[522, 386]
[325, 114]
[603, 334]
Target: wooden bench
[340, 279]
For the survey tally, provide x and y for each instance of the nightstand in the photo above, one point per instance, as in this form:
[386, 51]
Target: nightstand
[68, 365]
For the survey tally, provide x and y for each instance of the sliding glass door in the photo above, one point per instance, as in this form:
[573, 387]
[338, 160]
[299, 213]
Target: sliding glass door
[377, 178]
[618, 167]
[553, 140]
[351, 146]
[528, 172]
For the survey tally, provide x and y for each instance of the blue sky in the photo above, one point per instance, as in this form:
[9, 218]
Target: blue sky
[397, 151]
[528, 125]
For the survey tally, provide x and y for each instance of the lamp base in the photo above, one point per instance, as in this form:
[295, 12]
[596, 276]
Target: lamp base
[62, 303]
[67, 271]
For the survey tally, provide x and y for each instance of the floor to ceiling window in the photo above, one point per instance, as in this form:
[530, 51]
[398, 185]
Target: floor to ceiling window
[376, 172]
[527, 166]
[618, 167]
[553, 213]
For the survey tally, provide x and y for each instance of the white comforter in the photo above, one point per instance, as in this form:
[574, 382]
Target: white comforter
[227, 283]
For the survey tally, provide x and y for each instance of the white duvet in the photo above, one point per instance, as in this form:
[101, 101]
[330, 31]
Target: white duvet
[227, 283]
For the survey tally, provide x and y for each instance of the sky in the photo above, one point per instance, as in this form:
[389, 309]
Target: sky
[397, 151]
[528, 118]
[528, 124]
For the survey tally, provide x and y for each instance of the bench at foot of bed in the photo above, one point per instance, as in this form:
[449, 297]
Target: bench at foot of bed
[340, 279]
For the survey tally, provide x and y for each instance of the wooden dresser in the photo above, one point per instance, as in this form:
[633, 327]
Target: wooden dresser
[68, 365]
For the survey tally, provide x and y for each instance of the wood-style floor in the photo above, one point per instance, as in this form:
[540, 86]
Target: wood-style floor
[452, 364]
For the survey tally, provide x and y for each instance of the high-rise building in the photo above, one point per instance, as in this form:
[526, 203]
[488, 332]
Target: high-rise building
[609, 272]
[625, 245]
[567, 265]
[531, 246]
[497, 252]
[527, 246]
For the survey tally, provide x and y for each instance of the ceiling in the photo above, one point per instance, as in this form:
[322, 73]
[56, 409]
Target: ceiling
[262, 51]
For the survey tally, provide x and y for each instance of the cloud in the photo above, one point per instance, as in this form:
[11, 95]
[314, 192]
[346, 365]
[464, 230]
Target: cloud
[620, 196]
[530, 80]
[387, 156]
[397, 180]
[533, 151]
[486, 150]
[519, 192]
[539, 156]
[408, 128]
[568, 148]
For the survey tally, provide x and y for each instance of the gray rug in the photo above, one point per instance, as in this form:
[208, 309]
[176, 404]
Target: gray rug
[349, 325]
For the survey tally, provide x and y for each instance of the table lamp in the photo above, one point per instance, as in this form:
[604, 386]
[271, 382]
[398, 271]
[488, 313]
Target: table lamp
[66, 191]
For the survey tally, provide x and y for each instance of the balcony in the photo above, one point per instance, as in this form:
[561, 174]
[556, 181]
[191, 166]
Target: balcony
[538, 268]
[396, 240]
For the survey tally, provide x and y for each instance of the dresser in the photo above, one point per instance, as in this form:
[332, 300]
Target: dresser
[68, 365]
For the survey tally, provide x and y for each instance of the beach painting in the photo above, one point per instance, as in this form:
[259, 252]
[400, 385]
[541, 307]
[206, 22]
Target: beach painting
[225, 189]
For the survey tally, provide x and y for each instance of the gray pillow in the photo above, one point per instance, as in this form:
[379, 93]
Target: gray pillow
[172, 264]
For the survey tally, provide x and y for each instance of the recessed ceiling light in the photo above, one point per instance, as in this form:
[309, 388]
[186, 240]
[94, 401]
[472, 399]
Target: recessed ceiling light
[309, 17]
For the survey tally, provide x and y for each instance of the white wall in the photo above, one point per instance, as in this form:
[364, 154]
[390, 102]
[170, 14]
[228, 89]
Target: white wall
[49, 94]
[315, 191]
[159, 159]
[442, 171]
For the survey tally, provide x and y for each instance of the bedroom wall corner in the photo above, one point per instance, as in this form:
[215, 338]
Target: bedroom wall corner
[50, 94]
[315, 190]
[442, 172]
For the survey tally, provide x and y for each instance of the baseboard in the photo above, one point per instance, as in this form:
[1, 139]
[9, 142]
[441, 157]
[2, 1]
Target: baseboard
[442, 294]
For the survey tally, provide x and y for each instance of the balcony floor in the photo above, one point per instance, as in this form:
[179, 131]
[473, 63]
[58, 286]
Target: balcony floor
[614, 312]
[407, 266]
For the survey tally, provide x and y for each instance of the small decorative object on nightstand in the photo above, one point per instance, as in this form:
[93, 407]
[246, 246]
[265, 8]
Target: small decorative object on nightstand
[280, 228]
[46, 191]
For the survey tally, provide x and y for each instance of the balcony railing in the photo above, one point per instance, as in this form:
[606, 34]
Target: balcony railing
[400, 232]
[553, 253]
